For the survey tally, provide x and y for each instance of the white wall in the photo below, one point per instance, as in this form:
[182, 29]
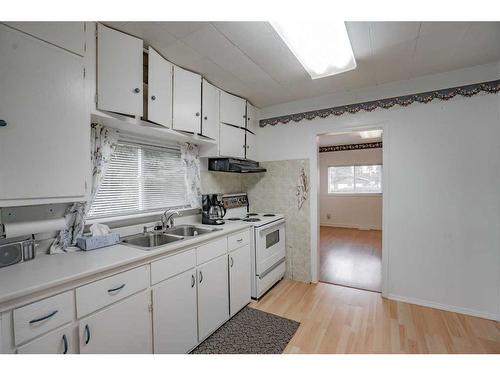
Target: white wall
[350, 211]
[442, 210]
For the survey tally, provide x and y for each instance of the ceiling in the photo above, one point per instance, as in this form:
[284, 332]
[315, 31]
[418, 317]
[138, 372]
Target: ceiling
[249, 59]
[344, 138]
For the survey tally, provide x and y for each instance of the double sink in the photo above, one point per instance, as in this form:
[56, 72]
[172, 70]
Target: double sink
[152, 240]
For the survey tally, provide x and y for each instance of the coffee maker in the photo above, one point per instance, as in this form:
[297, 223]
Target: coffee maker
[213, 209]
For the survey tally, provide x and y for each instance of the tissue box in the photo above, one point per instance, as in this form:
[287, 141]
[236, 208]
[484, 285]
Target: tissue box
[95, 242]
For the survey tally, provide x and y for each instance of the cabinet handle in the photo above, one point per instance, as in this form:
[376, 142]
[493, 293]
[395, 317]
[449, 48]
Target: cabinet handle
[65, 343]
[192, 281]
[197, 114]
[3, 123]
[44, 317]
[87, 333]
[137, 90]
[241, 239]
[153, 97]
[232, 262]
[116, 289]
[201, 277]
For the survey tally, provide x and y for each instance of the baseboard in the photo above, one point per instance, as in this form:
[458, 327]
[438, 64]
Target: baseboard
[439, 306]
[352, 226]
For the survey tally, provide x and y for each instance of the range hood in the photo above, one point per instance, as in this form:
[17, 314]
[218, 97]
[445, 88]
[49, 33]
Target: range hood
[234, 165]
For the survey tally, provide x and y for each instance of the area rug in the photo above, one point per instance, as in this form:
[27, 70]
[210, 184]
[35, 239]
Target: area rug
[251, 331]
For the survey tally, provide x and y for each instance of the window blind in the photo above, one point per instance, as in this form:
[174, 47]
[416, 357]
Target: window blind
[140, 178]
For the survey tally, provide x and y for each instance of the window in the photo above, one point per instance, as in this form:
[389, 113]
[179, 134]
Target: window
[140, 178]
[355, 179]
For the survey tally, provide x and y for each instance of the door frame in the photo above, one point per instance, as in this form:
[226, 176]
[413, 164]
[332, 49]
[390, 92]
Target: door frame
[315, 197]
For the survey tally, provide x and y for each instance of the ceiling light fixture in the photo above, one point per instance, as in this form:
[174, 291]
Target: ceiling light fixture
[370, 134]
[322, 47]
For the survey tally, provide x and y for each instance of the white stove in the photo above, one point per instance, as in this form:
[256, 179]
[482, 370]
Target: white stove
[268, 242]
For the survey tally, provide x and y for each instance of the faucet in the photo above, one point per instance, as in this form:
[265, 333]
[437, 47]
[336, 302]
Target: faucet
[166, 218]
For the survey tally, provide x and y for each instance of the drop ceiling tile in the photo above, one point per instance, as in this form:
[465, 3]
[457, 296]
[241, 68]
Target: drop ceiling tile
[209, 42]
[394, 63]
[180, 54]
[182, 29]
[385, 34]
[151, 32]
[359, 36]
[480, 44]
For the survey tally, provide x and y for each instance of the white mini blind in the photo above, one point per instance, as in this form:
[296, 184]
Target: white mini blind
[140, 178]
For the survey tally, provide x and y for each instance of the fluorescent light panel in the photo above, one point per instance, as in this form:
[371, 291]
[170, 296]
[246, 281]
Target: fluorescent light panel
[322, 47]
[370, 134]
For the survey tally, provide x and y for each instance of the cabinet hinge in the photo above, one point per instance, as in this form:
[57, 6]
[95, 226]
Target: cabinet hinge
[95, 98]
[150, 308]
[84, 73]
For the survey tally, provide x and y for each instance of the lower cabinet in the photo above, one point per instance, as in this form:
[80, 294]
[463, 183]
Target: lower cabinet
[124, 327]
[61, 341]
[175, 327]
[213, 296]
[239, 279]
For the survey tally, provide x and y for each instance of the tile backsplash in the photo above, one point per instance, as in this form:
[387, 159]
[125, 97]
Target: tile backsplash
[274, 191]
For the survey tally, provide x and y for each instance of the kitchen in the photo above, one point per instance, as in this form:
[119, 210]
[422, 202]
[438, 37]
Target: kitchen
[187, 212]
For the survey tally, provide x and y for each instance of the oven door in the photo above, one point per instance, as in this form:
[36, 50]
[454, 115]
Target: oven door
[269, 245]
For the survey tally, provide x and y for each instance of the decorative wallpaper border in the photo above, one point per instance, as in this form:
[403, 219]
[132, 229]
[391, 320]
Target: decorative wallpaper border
[404, 101]
[358, 146]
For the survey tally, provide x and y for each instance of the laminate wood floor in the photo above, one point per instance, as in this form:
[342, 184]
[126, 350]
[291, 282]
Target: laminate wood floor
[336, 319]
[351, 257]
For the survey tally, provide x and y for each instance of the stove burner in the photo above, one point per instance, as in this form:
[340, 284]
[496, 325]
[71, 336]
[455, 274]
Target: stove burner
[268, 215]
[252, 214]
[233, 219]
[252, 219]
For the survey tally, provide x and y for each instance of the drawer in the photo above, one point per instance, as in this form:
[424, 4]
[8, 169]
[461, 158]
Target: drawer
[211, 250]
[92, 297]
[238, 240]
[61, 341]
[173, 265]
[43, 316]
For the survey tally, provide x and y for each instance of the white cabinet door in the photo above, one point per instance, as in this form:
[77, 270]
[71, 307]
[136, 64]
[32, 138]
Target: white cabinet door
[67, 35]
[123, 328]
[187, 101]
[232, 109]
[159, 89]
[210, 111]
[213, 298]
[232, 141]
[45, 143]
[175, 327]
[239, 278]
[250, 146]
[119, 72]
[61, 341]
[252, 120]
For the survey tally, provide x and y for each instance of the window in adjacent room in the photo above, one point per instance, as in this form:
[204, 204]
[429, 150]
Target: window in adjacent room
[355, 179]
[141, 178]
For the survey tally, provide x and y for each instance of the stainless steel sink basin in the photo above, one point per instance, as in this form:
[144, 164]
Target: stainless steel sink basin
[189, 230]
[151, 240]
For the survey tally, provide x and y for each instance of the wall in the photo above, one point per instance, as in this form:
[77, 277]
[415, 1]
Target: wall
[442, 210]
[351, 211]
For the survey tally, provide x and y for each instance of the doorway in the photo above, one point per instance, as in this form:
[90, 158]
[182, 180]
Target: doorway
[350, 209]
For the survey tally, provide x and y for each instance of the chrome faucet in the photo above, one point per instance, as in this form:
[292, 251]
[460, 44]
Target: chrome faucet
[167, 220]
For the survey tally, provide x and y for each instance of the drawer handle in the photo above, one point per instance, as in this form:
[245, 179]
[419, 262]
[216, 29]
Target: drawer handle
[241, 239]
[65, 343]
[201, 277]
[192, 281]
[87, 334]
[44, 317]
[116, 289]
[232, 262]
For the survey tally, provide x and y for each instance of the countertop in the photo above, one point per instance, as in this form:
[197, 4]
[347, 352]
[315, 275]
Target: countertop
[48, 271]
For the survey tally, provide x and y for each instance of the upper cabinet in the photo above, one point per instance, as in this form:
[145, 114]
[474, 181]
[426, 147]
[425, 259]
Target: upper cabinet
[44, 122]
[119, 72]
[187, 101]
[210, 111]
[232, 110]
[159, 89]
[67, 35]
[232, 142]
[252, 120]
